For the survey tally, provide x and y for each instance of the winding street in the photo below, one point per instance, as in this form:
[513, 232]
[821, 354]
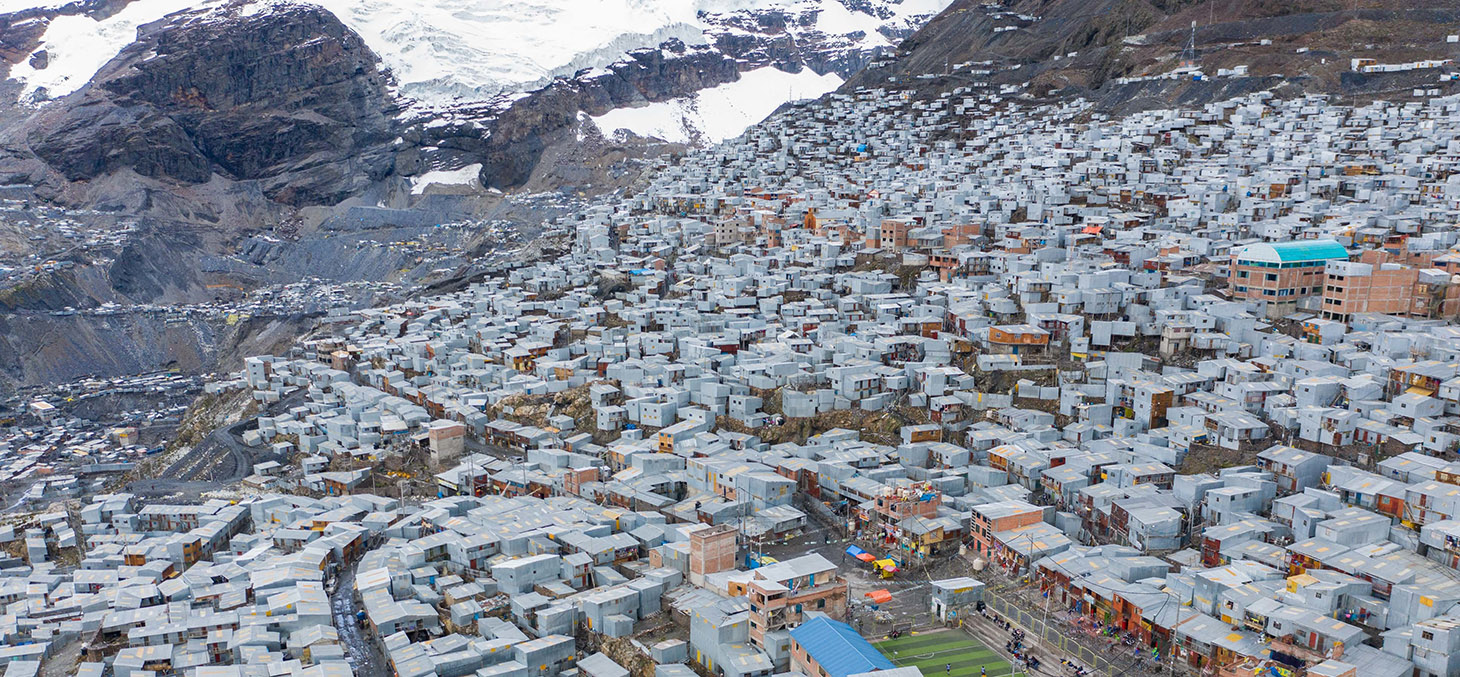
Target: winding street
[219, 460]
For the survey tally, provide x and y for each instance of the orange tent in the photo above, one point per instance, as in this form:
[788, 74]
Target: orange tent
[880, 596]
[866, 557]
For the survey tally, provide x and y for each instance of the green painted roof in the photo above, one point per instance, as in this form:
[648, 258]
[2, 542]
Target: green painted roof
[1309, 250]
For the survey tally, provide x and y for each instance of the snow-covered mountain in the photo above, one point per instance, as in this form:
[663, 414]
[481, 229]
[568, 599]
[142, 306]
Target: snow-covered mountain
[444, 53]
[315, 101]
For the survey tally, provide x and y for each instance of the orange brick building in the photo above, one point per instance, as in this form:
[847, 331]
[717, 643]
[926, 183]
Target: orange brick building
[1378, 284]
[711, 551]
[892, 234]
[1281, 274]
[1352, 287]
[963, 234]
[992, 518]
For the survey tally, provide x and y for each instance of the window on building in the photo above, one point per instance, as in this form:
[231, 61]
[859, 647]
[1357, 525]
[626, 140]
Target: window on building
[1427, 635]
[1271, 277]
[1269, 292]
[1241, 273]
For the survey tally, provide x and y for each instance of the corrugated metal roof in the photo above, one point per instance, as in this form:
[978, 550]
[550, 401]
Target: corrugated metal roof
[1296, 251]
[1310, 250]
[838, 648]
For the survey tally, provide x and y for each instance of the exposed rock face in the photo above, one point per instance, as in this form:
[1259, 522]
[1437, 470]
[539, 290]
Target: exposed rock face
[217, 125]
[968, 31]
[290, 98]
[519, 135]
[1086, 47]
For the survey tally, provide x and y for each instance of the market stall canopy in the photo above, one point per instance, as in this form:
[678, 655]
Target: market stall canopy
[880, 596]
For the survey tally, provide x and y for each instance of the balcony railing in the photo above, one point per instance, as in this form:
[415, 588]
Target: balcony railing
[802, 593]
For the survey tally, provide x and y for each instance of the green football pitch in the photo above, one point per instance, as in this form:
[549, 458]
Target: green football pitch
[933, 652]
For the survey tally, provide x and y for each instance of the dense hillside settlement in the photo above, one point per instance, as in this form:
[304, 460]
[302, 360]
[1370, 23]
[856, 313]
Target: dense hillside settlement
[959, 385]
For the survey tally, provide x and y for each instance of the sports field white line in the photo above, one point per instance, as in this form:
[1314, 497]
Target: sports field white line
[925, 656]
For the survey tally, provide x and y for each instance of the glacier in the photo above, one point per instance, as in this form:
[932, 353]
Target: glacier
[77, 46]
[445, 53]
[718, 113]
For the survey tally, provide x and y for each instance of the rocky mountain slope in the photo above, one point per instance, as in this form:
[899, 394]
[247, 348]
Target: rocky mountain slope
[234, 117]
[250, 143]
[1137, 53]
[456, 82]
[234, 146]
[290, 100]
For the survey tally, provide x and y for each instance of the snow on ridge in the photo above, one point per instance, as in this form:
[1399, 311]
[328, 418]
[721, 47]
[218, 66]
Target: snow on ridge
[448, 52]
[77, 46]
[722, 112]
[444, 52]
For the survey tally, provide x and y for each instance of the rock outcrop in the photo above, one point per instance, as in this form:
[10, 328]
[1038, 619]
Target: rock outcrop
[517, 137]
[1109, 50]
[290, 99]
[285, 98]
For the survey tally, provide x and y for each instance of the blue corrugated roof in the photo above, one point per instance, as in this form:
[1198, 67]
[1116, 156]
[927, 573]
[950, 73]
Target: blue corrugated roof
[838, 648]
[1309, 250]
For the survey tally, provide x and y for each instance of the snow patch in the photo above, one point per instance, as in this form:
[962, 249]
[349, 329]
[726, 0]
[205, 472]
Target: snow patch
[78, 46]
[722, 112]
[448, 52]
[466, 176]
[836, 19]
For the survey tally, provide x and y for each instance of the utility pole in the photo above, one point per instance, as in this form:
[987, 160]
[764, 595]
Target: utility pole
[1044, 619]
[471, 469]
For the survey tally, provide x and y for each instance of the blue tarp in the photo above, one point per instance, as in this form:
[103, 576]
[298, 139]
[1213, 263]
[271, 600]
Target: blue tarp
[855, 551]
